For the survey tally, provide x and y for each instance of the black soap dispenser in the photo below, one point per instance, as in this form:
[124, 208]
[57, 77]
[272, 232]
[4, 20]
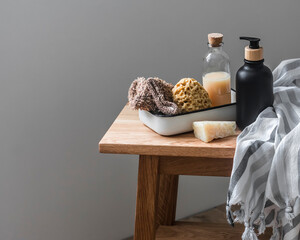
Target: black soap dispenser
[254, 85]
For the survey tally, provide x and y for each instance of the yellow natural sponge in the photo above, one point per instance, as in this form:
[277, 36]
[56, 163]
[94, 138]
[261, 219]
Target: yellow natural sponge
[189, 95]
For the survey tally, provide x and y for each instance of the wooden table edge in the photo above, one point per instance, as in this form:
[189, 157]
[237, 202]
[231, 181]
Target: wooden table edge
[153, 150]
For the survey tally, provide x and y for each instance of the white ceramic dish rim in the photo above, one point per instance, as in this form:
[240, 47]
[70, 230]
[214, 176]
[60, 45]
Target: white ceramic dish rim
[201, 110]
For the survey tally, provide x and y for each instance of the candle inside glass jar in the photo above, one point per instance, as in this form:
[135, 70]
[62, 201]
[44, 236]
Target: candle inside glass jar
[217, 84]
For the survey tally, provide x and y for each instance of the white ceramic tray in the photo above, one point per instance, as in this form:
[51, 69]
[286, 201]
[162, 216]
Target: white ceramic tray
[172, 125]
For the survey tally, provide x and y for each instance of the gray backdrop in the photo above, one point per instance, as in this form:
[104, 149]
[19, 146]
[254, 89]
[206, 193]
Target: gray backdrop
[65, 68]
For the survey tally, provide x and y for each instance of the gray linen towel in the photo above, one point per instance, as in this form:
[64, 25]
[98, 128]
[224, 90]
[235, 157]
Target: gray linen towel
[265, 179]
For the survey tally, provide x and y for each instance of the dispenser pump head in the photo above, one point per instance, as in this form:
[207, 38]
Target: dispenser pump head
[253, 52]
[254, 42]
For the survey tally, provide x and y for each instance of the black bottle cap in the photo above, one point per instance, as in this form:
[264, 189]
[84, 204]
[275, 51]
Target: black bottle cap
[254, 42]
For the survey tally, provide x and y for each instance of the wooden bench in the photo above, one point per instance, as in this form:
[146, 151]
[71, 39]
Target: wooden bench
[161, 161]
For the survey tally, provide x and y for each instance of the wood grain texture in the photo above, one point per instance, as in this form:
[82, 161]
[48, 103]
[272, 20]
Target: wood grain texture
[208, 225]
[147, 198]
[254, 54]
[203, 231]
[196, 166]
[167, 199]
[128, 135]
[213, 215]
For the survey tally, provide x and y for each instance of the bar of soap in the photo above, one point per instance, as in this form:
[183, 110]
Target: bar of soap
[209, 130]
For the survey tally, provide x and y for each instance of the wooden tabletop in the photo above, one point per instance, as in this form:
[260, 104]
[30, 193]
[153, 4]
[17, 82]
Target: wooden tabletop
[128, 135]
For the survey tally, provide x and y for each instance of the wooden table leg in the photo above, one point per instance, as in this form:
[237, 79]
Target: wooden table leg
[147, 198]
[168, 188]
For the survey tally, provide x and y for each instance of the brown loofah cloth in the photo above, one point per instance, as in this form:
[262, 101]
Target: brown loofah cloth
[152, 94]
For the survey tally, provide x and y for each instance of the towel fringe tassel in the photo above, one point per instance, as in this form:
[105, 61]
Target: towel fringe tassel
[262, 224]
[229, 215]
[289, 214]
[239, 215]
[275, 235]
[249, 233]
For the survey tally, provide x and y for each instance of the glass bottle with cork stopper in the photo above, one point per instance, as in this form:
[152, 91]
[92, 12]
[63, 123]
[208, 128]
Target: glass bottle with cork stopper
[216, 71]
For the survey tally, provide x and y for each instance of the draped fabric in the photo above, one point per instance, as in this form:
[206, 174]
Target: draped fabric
[265, 179]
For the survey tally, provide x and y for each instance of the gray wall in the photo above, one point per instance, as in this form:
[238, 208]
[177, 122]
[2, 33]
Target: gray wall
[65, 68]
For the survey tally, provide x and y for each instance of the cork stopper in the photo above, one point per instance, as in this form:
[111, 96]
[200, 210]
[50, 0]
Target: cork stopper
[215, 39]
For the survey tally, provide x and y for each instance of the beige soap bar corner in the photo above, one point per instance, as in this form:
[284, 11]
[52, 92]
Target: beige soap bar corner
[209, 130]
